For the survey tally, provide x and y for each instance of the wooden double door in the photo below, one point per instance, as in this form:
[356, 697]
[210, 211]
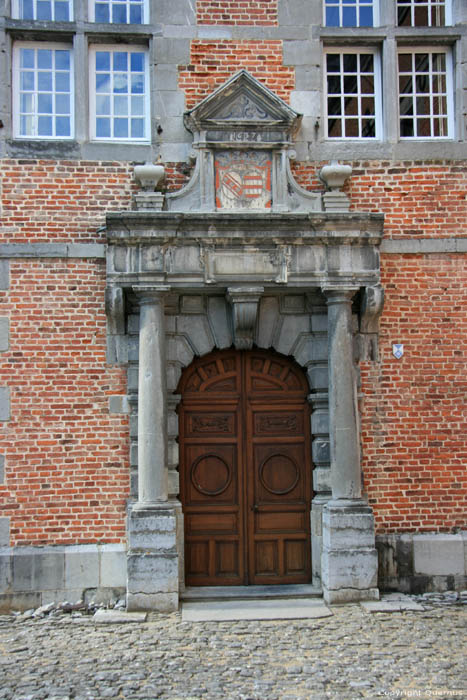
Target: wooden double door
[245, 470]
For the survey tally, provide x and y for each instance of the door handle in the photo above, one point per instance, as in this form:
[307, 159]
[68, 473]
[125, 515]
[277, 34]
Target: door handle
[255, 508]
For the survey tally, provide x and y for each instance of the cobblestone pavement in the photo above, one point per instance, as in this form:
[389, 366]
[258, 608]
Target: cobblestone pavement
[353, 654]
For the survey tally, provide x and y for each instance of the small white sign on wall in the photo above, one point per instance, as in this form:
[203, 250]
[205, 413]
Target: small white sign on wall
[397, 350]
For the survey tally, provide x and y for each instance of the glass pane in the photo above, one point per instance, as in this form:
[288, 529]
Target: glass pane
[103, 82]
[103, 60]
[407, 128]
[440, 105]
[120, 61]
[439, 62]
[121, 106]
[62, 60]
[121, 128]
[102, 127]
[102, 104]
[403, 17]
[405, 84]
[405, 62]
[44, 58]
[44, 81]
[61, 11]
[26, 103]
[27, 80]
[136, 15]
[120, 82]
[349, 17]
[332, 17]
[366, 63]
[350, 84]
[406, 105]
[351, 128]
[44, 103]
[366, 16]
[62, 82]
[102, 12]
[27, 58]
[137, 62]
[26, 127]
[423, 105]
[422, 63]
[422, 83]
[369, 128]
[62, 126]
[334, 105]
[368, 106]
[62, 104]
[333, 63]
[26, 10]
[44, 126]
[44, 9]
[423, 127]
[137, 106]
[351, 106]
[421, 16]
[137, 128]
[350, 63]
[367, 85]
[440, 127]
[334, 84]
[119, 14]
[334, 128]
[137, 84]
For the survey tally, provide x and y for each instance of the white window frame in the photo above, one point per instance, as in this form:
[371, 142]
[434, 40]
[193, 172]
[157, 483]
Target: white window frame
[378, 94]
[449, 92]
[16, 92]
[340, 6]
[92, 92]
[92, 12]
[16, 14]
[428, 3]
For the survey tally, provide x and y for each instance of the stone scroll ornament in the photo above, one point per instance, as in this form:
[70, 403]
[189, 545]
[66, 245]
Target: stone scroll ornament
[243, 180]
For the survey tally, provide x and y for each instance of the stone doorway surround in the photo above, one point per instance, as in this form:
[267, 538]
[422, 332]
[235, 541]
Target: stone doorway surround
[295, 272]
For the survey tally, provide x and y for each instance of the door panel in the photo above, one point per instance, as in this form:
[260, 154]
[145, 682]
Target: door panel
[245, 471]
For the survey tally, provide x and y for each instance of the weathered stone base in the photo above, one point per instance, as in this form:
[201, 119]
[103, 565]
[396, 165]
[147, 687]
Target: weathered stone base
[153, 560]
[349, 561]
[34, 576]
[414, 563]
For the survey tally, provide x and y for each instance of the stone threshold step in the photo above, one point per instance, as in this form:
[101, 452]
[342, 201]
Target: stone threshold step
[248, 592]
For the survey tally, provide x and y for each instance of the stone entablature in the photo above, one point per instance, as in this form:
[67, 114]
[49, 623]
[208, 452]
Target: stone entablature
[214, 249]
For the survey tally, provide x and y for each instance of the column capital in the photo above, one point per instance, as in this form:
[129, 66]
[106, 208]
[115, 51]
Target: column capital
[151, 293]
[339, 295]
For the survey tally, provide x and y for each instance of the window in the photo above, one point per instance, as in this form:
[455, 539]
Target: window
[42, 91]
[423, 13]
[120, 94]
[349, 13]
[425, 94]
[119, 11]
[353, 109]
[54, 10]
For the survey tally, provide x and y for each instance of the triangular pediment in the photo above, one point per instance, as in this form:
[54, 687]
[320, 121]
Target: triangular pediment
[242, 100]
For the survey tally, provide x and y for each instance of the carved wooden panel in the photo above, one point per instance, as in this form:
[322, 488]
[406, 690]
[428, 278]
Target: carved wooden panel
[245, 470]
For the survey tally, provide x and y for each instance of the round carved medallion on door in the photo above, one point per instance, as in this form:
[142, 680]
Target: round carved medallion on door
[279, 474]
[210, 475]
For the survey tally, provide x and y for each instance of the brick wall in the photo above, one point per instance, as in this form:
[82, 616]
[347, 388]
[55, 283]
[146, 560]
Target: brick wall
[213, 62]
[45, 200]
[251, 12]
[67, 472]
[414, 419]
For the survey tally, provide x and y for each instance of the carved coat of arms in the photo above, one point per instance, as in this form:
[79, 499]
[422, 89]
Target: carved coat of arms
[243, 180]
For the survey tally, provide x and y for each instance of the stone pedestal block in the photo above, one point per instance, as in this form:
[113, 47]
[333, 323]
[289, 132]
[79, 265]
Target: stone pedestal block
[349, 564]
[153, 558]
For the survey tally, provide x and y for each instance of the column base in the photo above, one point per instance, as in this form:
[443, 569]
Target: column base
[349, 564]
[153, 558]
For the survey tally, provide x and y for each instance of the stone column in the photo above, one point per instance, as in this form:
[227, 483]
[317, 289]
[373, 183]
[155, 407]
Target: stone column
[152, 401]
[349, 559]
[154, 521]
